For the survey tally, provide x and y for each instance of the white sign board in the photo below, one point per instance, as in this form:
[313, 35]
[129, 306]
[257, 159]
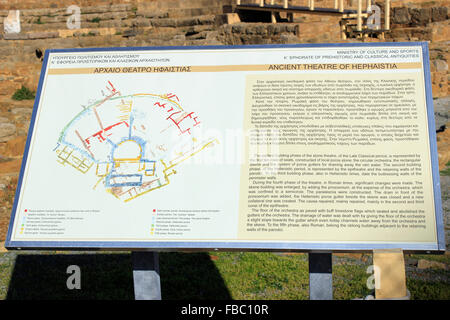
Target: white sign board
[264, 147]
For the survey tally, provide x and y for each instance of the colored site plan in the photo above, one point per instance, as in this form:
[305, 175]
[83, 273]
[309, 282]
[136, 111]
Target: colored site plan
[134, 143]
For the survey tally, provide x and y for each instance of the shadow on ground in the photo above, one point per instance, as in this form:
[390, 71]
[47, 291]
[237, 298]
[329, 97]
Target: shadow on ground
[109, 276]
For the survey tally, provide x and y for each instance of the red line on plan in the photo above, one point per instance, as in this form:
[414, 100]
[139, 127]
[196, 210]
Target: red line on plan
[99, 134]
[171, 95]
[177, 122]
[160, 105]
[113, 89]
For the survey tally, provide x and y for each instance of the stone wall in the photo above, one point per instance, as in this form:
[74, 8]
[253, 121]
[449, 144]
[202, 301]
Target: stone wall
[33, 4]
[426, 22]
[120, 23]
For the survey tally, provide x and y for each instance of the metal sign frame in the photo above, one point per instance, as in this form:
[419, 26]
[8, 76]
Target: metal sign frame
[439, 246]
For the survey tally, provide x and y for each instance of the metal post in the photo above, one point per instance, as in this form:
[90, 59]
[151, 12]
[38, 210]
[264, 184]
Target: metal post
[341, 5]
[335, 4]
[285, 4]
[359, 17]
[238, 2]
[320, 276]
[147, 285]
[387, 11]
[261, 3]
[343, 31]
[311, 4]
[272, 13]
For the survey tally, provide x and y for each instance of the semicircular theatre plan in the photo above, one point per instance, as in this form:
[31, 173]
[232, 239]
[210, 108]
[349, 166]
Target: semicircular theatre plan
[133, 143]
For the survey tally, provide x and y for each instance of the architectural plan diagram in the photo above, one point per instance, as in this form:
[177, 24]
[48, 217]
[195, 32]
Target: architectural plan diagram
[132, 143]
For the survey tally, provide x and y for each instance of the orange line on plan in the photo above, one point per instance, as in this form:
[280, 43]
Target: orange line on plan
[98, 119]
[84, 143]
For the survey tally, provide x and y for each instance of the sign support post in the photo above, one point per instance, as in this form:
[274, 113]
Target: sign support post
[146, 279]
[320, 276]
[390, 275]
